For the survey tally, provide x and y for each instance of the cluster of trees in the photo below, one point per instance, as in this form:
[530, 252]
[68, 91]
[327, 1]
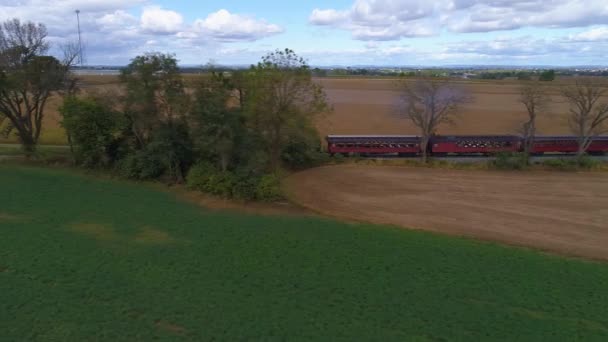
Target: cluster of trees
[228, 133]
[231, 134]
[428, 103]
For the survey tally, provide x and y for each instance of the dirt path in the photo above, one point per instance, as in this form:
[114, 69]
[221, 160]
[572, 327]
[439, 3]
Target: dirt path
[560, 212]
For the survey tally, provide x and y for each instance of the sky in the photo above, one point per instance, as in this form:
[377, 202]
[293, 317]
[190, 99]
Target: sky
[327, 33]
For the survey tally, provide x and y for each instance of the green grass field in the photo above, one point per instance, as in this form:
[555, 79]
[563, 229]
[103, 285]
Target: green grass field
[86, 259]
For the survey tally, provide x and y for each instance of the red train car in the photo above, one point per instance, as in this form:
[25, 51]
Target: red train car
[373, 144]
[567, 144]
[472, 144]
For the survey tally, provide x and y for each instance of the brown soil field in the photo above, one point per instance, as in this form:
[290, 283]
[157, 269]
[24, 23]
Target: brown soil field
[368, 106]
[566, 213]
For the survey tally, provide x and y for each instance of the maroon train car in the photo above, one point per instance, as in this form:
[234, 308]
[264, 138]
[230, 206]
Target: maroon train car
[567, 144]
[473, 144]
[373, 144]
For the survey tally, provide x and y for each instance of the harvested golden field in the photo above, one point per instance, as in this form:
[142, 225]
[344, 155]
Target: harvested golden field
[559, 212]
[367, 106]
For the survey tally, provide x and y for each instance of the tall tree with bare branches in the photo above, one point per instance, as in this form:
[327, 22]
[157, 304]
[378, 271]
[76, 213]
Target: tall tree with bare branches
[534, 97]
[588, 111]
[27, 79]
[429, 103]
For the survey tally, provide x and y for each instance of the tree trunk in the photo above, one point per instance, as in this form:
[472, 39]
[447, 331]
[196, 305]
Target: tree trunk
[423, 149]
[275, 148]
[581, 149]
[530, 131]
[179, 175]
[28, 143]
[71, 148]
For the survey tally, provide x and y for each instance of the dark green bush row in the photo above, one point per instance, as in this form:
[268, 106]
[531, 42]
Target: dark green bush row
[239, 184]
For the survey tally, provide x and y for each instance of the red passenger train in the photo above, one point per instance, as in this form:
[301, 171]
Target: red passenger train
[456, 144]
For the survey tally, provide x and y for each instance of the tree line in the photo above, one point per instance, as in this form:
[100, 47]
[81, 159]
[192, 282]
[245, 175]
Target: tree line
[428, 103]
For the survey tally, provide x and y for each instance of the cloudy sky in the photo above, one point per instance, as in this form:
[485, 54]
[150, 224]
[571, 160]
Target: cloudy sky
[338, 32]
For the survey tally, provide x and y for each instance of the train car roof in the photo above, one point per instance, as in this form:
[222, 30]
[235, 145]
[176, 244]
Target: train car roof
[567, 137]
[459, 137]
[371, 136]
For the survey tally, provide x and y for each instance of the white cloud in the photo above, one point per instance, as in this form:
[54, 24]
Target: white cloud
[393, 19]
[154, 19]
[116, 20]
[592, 35]
[381, 19]
[327, 17]
[225, 26]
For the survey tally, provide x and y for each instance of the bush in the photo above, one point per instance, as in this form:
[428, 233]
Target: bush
[268, 188]
[91, 127]
[559, 164]
[587, 162]
[510, 161]
[242, 184]
[562, 164]
[303, 150]
[244, 187]
[141, 165]
[172, 148]
[206, 178]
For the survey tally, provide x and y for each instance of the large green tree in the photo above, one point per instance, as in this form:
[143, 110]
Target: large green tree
[27, 79]
[156, 108]
[281, 100]
[218, 123]
[93, 127]
[155, 94]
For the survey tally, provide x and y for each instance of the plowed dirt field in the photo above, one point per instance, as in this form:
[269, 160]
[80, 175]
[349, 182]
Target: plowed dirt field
[368, 106]
[565, 213]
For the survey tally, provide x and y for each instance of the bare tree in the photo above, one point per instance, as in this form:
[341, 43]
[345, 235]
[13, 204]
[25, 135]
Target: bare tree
[429, 103]
[27, 79]
[588, 116]
[534, 97]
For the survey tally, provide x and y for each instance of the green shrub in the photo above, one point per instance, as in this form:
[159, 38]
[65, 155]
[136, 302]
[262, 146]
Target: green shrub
[206, 178]
[584, 163]
[241, 184]
[338, 158]
[268, 188]
[199, 174]
[560, 164]
[303, 150]
[220, 184]
[245, 184]
[92, 128]
[141, 165]
[510, 161]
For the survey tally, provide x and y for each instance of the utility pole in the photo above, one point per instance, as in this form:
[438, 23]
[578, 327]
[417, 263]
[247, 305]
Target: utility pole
[79, 39]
